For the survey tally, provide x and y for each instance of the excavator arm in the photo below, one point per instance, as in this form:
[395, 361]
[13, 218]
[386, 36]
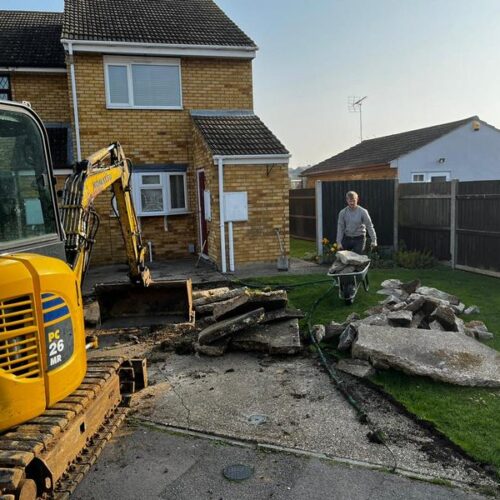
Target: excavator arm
[105, 168]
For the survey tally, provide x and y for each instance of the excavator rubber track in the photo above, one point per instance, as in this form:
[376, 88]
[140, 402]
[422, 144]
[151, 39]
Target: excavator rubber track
[48, 456]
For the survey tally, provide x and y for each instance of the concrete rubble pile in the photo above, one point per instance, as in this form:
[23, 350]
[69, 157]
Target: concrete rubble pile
[420, 331]
[244, 319]
[348, 262]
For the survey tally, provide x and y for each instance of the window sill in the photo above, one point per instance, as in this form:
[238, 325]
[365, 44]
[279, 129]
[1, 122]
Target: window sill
[170, 214]
[154, 108]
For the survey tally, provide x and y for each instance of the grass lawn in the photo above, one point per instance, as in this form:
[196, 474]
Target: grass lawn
[469, 416]
[299, 248]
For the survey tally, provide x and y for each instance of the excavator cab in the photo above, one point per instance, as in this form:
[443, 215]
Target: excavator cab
[44, 253]
[42, 336]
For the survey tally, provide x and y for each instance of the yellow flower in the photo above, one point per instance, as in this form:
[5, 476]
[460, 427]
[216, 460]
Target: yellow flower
[325, 241]
[335, 246]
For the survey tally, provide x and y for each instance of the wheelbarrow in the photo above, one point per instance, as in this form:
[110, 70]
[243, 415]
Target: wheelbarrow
[349, 283]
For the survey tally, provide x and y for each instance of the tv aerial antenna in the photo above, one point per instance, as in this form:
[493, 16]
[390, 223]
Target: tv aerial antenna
[354, 105]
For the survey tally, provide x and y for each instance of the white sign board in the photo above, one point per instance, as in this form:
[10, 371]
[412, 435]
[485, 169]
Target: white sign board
[207, 205]
[236, 206]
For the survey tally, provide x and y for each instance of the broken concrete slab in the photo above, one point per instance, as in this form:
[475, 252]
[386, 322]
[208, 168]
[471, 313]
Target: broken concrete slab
[472, 310]
[438, 294]
[214, 350]
[448, 357]
[459, 309]
[375, 319]
[206, 305]
[336, 267]
[319, 332]
[347, 270]
[375, 310]
[357, 367]
[391, 283]
[224, 307]
[352, 258]
[333, 331]
[347, 338]
[418, 317]
[446, 317]
[277, 299]
[390, 300]
[478, 330]
[207, 294]
[411, 286]
[416, 303]
[230, 326]
[400, 318]
[92, 314]
[436, 326]
[274, 338]
[280, 314]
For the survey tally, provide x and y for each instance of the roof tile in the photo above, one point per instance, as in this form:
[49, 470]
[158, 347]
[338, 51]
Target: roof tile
[240, 135]
[183, 22]
[31, 39]
[383, 150]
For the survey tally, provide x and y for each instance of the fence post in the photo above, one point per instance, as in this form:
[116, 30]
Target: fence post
[319, 218]
[395, 233]
[453, 223]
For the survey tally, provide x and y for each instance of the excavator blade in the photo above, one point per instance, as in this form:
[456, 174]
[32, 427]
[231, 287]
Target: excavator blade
[161, 303]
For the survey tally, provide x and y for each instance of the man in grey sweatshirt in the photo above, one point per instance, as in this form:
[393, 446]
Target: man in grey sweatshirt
[354, 222]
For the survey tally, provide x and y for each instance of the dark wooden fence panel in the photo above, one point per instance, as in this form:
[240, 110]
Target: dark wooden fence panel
[303, 213]
[377, 196]
[424, 217]
[478, 225]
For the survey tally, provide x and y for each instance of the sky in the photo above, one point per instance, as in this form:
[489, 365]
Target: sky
[419, 62]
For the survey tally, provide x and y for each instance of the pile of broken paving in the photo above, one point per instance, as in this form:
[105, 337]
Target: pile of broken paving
[241, 319]
[418, 330]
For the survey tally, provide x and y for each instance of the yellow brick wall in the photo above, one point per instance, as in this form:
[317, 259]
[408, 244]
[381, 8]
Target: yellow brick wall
[48, 94]
[268, 201]
[156, 136]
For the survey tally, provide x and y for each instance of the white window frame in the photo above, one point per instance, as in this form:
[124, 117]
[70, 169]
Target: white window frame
[414, 174]
[128, 62]
[138, 186]
[428, 176]
[440, 174]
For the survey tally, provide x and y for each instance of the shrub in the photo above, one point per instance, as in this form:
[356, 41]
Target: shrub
[414, 259]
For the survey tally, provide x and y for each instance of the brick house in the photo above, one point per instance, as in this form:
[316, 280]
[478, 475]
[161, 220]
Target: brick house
[172, 81]
[467, 149]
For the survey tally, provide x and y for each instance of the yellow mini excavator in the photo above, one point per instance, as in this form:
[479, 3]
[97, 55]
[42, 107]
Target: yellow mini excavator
[57, 409]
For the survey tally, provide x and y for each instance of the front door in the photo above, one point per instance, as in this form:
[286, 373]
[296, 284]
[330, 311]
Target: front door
[203, 221]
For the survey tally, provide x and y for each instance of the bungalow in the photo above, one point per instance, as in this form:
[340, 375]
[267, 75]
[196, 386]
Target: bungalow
[468, 150]
[172, 81]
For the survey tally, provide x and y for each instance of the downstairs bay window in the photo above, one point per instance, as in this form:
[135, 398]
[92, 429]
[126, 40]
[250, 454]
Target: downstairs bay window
[159, 192]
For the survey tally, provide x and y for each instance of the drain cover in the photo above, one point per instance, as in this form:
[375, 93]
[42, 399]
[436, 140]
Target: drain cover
[238, 472]
[257, 419]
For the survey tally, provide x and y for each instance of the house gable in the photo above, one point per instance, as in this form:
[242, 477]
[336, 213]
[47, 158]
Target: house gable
[383, 150]
[162, 27]
[468, 153]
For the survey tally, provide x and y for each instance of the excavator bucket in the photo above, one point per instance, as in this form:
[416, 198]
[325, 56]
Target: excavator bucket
[161, 303]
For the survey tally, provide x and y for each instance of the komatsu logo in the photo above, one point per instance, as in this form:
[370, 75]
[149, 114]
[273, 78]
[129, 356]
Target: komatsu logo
[103, 181]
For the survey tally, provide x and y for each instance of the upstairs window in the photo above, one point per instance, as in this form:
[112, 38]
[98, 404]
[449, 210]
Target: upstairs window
[143, 83]
[5, 90]
[159, 193]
